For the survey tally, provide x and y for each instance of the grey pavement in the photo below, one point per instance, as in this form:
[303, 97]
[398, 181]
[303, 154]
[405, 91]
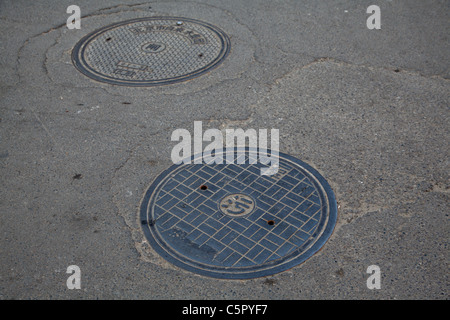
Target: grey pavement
[369, 109]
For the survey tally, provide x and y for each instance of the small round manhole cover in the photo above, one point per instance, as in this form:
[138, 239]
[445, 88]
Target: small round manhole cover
[228, 221]
[151, 51]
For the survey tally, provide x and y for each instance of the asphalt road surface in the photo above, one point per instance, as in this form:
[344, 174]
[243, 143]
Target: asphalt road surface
[367, 108]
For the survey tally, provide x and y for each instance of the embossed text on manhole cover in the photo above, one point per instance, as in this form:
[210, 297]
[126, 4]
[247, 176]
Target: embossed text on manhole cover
[151, 51]
[229, 221]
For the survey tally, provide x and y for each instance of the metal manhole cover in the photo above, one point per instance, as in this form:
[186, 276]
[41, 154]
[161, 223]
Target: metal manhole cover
[151, 51]
[228, 221]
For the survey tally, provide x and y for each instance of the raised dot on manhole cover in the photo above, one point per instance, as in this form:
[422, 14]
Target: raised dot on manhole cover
[151, 51]
[228, 221]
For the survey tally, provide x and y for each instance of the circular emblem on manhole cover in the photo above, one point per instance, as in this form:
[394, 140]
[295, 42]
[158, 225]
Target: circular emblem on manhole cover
[237, 205]
[229, 221]
[151, 51]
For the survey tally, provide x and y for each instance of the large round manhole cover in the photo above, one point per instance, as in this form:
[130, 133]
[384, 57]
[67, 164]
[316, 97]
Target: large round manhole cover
[228, 221]
[151, 51]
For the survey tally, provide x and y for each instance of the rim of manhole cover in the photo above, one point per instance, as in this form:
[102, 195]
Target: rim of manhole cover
[151, 51]
[271, 224]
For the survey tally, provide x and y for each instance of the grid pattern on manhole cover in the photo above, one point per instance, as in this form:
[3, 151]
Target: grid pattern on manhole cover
[274, 223]
[151, 51]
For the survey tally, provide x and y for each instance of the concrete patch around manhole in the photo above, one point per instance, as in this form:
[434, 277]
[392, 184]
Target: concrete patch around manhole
[151, 51]
[57, 66]
[270, 223]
